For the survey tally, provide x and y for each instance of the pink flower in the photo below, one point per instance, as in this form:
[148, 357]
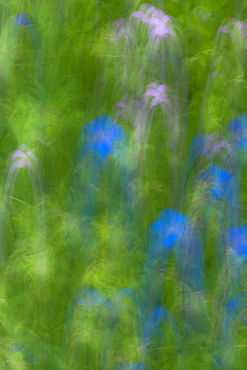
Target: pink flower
[157, 21]
[158, 93]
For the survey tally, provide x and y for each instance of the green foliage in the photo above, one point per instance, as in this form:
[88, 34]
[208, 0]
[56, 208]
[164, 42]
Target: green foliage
[51, 84]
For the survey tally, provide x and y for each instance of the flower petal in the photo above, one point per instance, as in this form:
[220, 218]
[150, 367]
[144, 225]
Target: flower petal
[138, 14]
[159, 226]
[151, 92]
[167, 214]
[170, 238]
[22, 19]
[114, 133]
[102, 147]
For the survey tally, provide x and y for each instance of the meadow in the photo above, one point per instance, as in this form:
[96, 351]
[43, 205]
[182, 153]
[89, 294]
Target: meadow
[123, 144]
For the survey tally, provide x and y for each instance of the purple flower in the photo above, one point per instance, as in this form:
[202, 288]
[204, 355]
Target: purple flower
[124, 109]
[123, 30]
[238, 25]
[156, 20]
[150, 15]
[137, 112]
[213, 144]
[130, 110]
[158, 93]
[222, 144]
[241, 26]
[160, 30]
[224, 29]
[144, 15]
[119, 22]
[207, 145]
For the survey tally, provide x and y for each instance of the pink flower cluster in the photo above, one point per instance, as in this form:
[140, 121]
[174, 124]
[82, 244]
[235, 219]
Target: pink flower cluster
[156, 19]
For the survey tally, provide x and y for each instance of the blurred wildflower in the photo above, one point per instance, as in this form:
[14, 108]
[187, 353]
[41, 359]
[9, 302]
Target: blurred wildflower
[203, 144]
[156, 20]
[22, 19]
[215, 148]
[169, 227]
[222, 183]
[236, 304]
[22, 157]
[131, 110]
[197, 146]
[101, 134]
[160, 30]
[238, 131]
[242, 27]
[123, 29]
[175, 231]
[146, 15]
[233, 25]
[137, 112]
[214, 142]
[158, 93]
[224, 29]
[236, 238]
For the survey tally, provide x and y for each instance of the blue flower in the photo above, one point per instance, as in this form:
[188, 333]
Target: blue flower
[222, 183]
[163, 234]
[102, 134]
[208, 146]
[175, 231]
[22, 19]
[238, 131]
[236, 238]
[235, 310]
[197, 146]
[169, 227]
[237, 303]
